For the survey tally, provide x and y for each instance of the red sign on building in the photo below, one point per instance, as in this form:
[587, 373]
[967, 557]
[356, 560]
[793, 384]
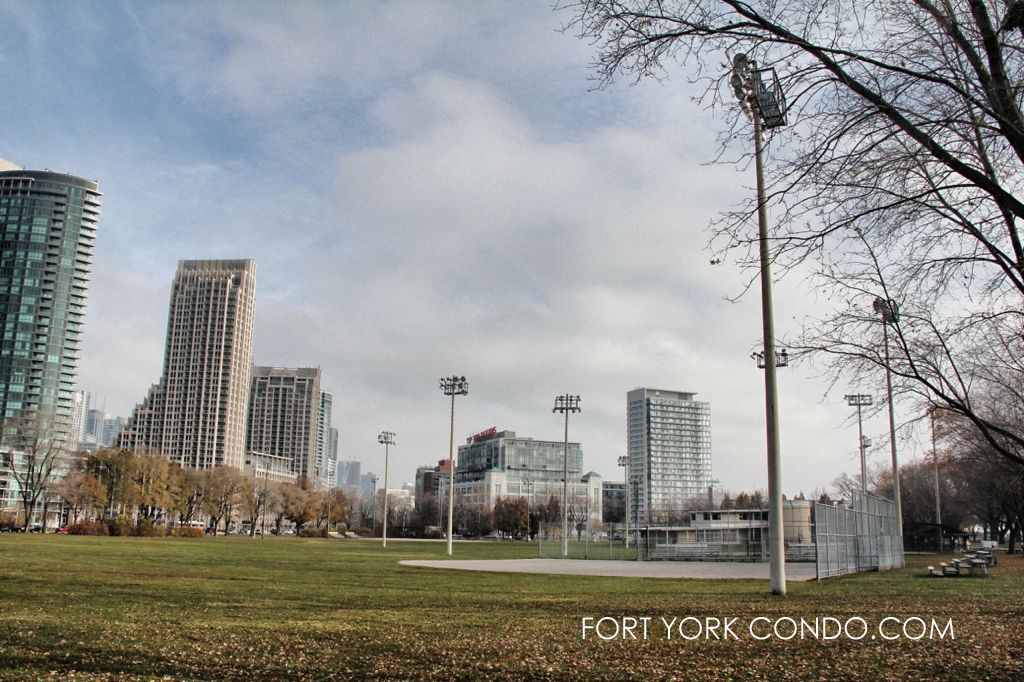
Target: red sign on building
[483, 435]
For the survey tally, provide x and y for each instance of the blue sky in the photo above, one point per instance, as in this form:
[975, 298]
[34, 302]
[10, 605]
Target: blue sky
[427, 188]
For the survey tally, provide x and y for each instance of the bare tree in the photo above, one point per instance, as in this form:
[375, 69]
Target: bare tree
[899, 175]
[191, 489]
[579, 514]
[253, 501]
[33, 451]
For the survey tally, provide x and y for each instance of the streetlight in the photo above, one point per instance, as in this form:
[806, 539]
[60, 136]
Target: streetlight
[765, 104]
[453, 386]
[860, 400]
[624, 463]
[566, 404]
[386, 438]
[528, 484]
[373, 501]
[781, 358]
[890, 314]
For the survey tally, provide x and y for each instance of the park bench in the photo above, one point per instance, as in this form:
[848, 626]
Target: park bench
[682, 550]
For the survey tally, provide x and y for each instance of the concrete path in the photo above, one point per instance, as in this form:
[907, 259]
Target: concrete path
[704, 570]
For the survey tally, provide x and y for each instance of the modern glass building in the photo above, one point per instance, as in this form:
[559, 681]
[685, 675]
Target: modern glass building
[47, 230]
[668, 441]
[495, 464]
[536, 460]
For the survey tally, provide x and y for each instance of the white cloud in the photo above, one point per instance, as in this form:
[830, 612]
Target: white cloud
[431, 188]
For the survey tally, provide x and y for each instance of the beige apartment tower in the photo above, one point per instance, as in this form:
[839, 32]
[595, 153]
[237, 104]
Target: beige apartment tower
[196, 414]
[284, 417]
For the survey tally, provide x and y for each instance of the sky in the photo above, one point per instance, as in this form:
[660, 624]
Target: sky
[428, 189]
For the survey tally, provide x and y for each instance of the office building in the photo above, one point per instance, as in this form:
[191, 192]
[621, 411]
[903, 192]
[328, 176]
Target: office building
[668, 440]
[196, 414]
[47, 229]
[495, 464]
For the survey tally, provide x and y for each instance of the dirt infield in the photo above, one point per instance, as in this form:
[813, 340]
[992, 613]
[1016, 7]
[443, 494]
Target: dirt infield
[703, 570]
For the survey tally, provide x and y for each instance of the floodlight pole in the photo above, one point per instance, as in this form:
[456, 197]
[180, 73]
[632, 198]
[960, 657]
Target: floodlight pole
[624, 463]
[634, 482]
[566, 404]
[890, 314]
[453, 386]
[935, 464]
[754, 97]
[860, 400]
[386, 438]
[373, 501]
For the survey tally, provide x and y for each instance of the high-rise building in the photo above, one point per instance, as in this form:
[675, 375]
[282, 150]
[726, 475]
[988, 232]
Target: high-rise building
[92, 428]
[289, 417]
[81, 405]
[111, 427]
[334, 453]
[325, 456]
[668, 441]
[368, 484]
[349, 473]
[196, 414]
[47, 230]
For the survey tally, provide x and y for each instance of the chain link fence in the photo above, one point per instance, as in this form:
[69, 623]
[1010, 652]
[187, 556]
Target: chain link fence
[858, 538]
[838, 539]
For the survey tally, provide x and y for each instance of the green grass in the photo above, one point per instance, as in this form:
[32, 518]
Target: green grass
[288, 608]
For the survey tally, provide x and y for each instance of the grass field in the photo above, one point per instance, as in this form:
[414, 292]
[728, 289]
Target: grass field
[237, 608]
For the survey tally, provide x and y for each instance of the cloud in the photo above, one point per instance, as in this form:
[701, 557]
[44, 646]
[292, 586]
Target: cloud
[427, 188]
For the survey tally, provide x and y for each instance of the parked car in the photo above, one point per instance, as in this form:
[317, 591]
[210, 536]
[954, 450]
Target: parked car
[63, 530]
[11, 528]
[38, 528]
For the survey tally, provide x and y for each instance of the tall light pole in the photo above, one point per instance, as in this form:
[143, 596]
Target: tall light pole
[889, 311]
[373, 501]
[453, 386]
[566, 404]
[860, 400]
[387, 439]
[935, 463]
[634, 482]
[528, 484]
[624, 463]
[766, 106]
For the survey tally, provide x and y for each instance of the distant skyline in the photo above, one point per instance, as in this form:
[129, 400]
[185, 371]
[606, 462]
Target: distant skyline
[427, 189]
